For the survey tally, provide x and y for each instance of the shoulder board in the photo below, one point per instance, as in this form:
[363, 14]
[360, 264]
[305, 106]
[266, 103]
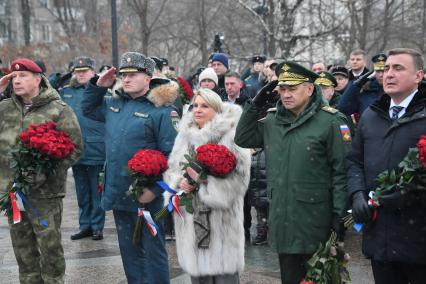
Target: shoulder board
[329, 109]
[262, 119]
[272, 109]
[62, 103]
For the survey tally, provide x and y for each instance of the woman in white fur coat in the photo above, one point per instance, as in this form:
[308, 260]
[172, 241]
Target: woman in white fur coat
[218, 258]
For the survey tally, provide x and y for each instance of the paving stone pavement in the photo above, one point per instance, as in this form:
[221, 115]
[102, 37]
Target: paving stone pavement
[91, 261]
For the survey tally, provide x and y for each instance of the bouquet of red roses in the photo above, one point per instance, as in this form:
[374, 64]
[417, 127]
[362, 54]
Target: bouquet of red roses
[328, 265]
[37, 154]
[185, 90]
[208, 159]
[146, 167]
[408, 177]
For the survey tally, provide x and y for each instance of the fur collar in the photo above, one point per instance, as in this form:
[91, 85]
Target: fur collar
[162, 95]
[214, 130]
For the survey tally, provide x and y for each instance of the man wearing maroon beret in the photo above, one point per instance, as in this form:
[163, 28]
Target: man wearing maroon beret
[37, 246]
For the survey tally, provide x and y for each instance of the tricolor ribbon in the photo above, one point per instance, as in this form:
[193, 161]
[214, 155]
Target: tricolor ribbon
[373, 204]
[21, 196]
[16, 213]
[152, 227]
[173, 204]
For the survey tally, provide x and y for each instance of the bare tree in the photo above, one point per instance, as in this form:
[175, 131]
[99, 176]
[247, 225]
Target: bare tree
[26, 20]
[147, 25]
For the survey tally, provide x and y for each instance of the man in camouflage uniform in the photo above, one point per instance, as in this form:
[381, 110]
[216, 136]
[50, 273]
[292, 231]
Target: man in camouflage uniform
[38, 249]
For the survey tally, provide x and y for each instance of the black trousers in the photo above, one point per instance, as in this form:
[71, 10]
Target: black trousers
[247, 217]
[293, 267]
[398, 272]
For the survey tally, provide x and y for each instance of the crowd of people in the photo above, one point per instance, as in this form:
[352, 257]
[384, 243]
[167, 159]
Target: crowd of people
[309, 144]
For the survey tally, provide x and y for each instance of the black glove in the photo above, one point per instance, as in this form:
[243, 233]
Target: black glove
[363, 79]
[265, 94]
[360, 209]
[338, 226]
[65, 77]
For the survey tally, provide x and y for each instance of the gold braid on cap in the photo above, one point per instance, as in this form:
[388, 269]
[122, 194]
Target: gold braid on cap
[324, 82]
[289, 77]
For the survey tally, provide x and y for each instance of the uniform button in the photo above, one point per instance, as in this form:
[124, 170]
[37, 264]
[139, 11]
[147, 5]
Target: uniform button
[308, 148]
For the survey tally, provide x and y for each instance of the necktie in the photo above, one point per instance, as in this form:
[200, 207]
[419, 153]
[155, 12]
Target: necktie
[395, 111]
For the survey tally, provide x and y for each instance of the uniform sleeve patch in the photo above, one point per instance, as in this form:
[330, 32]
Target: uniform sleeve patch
[174, 116]
[346, 133]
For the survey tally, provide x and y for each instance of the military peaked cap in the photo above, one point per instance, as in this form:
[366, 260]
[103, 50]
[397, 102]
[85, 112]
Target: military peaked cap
[339, 70]
[258, 58]
[326, 79]
[379, 61]
[291, 74]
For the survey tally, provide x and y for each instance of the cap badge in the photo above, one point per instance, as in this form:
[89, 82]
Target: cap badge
[381, 58]
[81, 61]
[285, 67]
[17, 66]
[128, 59]
[322, 74]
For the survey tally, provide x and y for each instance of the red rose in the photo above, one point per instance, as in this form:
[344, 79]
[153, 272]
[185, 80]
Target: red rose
[149, 163]
[218, 159]
[421, 145]
[25, 137]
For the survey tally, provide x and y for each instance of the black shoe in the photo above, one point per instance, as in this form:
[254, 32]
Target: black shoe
[82, 234]
[260, 240]
[247, 237]
[97, 235]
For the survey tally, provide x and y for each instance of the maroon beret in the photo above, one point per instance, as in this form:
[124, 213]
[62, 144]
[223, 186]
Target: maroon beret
[24, 64]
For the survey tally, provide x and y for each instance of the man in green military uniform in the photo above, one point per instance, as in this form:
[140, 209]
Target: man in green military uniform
[327, 83]
[306, 142]
[37, 247]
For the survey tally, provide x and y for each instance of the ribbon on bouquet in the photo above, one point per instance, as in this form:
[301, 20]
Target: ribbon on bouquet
[173, 204]
[152, 227]
[373, 204]
[16, 213]
[20, 197]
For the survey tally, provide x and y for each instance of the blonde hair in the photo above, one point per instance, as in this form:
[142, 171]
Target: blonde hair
[211, 98]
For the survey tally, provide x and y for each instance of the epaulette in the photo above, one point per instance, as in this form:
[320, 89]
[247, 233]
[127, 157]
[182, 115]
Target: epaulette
[329, 109]
[272, 109]
[262, 119]
[62, 103]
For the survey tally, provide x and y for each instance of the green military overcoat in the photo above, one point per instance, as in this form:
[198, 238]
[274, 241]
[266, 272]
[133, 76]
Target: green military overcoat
[305, 167]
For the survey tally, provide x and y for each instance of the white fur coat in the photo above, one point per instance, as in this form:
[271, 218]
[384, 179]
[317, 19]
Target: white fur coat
[225, 196]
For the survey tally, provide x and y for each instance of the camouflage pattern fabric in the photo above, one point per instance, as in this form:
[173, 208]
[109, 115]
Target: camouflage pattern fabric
[38, 250]
[14, 118]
